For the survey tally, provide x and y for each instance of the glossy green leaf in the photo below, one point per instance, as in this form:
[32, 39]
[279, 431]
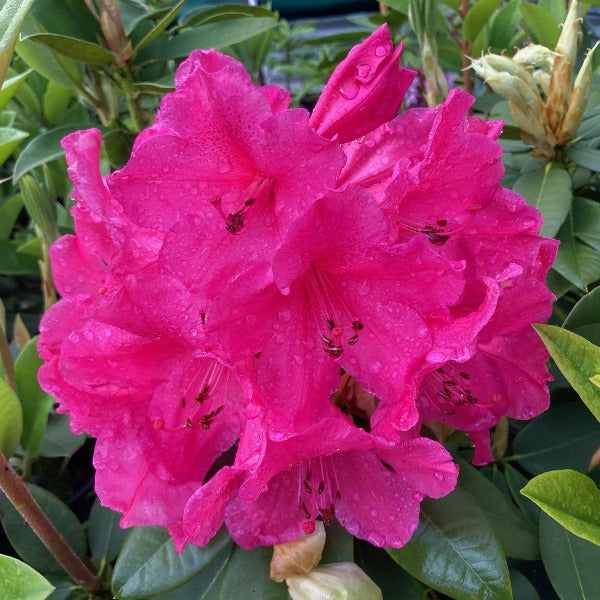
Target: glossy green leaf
[207, 14]
[49, 64]
[212, 35]
[206, 584]
[87, 52]
[576, 261]
[477, 18]
[13, 263]
[11, 419]
[542, 26]
[578, 360]
[569, 497]
[148, 87]
[148, 551]
[395, 583]
[160, 26]
[35, 402]
[571, 562]
[549, 190]
[516, 533]
[55, 102]
[585, 157]
[19, 581]
[586, 222]
[9, 212]
[10, 138]
[12, 14]
[556, 8]
[247, 576]
[565, 437]
[59, 440]
[521, 586]
[455, 550]
[67, 17]
[585, 313]
[11, 86]
[105, 535]
[28, 545]
[515, 482]
[42, 149]
[504, 25]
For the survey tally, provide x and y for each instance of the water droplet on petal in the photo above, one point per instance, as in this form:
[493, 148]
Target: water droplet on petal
[381, 51]
[349, 90]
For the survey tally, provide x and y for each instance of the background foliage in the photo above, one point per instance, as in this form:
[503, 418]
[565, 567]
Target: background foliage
[487, 539]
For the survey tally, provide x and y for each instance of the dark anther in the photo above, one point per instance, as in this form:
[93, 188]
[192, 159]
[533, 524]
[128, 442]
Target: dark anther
[338, 496]
[235, 222]
[182, 402]
[357, 325]
[440, 370]
[308, 474]
[202, 394]
[250, 201]
[304, 510]
[464, 375]
[307, 487]
[327, 514]
[334, 351]
[449, 411]
[442, 223]
[353, 340]
[330, 323]
[327, 340]
[321, 487]
[203, 318]
[189, 424]
[451, 382]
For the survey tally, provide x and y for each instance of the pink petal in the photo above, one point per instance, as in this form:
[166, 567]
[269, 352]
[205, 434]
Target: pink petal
[278, 98]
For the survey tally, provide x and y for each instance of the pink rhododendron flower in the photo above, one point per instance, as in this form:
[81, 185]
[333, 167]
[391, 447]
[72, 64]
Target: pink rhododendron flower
[263, 306]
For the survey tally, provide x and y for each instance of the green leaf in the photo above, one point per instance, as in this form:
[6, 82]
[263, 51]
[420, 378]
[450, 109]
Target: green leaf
[549, 190]
[213, 35]
[67, 17]
[565, 437]
[148, 551]
[11, 86]
[575, 260]
[569, 497]
[571, 563]
[19, 581]
[556, 8]
[158, 28]
[49, 64]
[59, 440]
[35, 402]
[28, 545]
[586, 222]
[11, 419]
[207, 14]
[13, 263]
[9, 212]
[105, 535]
[522, 588]
[515, 482]
[541, 25]
[516, 533]
[247, 576]
[56, 101]
[206, 584]
[87, 52]
[11, 17]
[504, 25]
[586, 312]
[578, 360]
[455, 551]
[148, 87]
[9, 140]
[585, 157]
[339, 545]
[42, 149]
[477, 18]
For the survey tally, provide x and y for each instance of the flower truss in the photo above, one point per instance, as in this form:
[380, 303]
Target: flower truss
[261, 309]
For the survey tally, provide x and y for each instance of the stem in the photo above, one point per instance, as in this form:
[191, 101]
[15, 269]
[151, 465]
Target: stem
[464, 46]
[15, 490]
[132, 105]
[7, 360]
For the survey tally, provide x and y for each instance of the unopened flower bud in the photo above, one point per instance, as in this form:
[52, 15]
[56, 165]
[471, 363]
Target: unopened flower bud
[500, 64]
[339, 581]
[300, 556]
[535, 56]
[559, 90]
[114, 34]
[579, 99]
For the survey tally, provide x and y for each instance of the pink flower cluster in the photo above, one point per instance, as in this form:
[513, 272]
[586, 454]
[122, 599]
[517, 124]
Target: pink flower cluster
[263, 306]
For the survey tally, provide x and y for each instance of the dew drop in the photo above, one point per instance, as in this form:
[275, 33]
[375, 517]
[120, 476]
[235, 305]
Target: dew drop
[381, 51]
[349, 90]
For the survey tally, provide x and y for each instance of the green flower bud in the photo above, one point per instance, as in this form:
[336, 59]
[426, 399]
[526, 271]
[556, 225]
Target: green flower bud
[579, 99]
[339, 581]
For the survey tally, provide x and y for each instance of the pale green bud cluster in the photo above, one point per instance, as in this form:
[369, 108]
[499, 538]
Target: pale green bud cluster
[536, 82]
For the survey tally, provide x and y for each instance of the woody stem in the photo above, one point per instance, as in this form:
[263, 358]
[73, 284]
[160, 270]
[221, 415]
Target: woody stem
[20, 497]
